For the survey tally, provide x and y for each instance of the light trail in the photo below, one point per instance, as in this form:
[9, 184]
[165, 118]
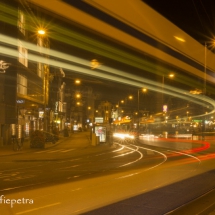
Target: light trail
[136, 173]
[182, 153]
[103, 49]
[104, 72]
[71, 37]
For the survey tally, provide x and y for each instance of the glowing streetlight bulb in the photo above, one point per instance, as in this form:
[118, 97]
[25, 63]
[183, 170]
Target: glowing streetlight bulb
[41, 32]
[77, 81]
[78, 95]
[171, 75]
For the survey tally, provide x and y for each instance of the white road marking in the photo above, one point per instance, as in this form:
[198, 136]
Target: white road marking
[67, 150]
[126, 176]
[44, 151]
[53, 151]
[35, 209]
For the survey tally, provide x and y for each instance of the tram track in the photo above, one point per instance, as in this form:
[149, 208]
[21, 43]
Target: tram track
[201, 205]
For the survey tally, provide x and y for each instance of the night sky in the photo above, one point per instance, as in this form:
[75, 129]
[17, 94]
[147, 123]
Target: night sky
[195, 17]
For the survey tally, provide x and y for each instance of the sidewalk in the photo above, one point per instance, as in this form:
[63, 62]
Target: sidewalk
[81, 143]
[8, 149]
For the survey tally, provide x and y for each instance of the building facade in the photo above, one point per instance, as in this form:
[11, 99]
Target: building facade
[24, 78]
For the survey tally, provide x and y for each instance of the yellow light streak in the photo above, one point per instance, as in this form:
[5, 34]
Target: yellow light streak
[180, 39]
[88, 43]
[103, 72]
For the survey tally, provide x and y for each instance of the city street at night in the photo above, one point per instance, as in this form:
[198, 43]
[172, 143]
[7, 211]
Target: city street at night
[73, 175]
[107, 107]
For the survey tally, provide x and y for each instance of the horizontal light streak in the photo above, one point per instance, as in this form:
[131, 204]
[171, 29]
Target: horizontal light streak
[86, 42]
[103, 71]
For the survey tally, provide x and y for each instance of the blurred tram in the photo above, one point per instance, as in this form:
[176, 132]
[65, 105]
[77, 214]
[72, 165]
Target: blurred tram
[136, 26]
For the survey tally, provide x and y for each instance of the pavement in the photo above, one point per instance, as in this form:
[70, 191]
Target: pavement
[80, 141]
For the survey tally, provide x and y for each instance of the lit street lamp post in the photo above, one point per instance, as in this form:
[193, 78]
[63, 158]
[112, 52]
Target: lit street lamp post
[44, 71]
[144, 90]
[171, 75]
[187, 115]
[41, 34]
[119, 108]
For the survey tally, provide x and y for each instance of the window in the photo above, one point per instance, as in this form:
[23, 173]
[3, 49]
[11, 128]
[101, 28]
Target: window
[21, 21]
[21, 84]
[23, 53]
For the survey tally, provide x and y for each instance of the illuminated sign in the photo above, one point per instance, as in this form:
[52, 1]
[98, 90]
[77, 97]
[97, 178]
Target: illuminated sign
[99, 119]
[3, 66]
[197, 120]
[20, 101]
[41, 114]
[100, 131]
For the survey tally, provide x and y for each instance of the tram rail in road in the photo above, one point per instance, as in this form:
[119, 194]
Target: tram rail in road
[203, 205]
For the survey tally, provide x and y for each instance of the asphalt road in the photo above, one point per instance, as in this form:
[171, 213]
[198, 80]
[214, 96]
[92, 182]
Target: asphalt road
[69, 162]
[73, 179]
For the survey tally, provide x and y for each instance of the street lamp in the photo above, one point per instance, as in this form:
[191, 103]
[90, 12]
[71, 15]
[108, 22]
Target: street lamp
[144, 90]
[78, 95]
[41, 32]
[171, 75]
[77, 81]
[187, 115]
[119, 108]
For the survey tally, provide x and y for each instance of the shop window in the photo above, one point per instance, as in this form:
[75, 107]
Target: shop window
[21, 84]
[40, 70]
[23, 54]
